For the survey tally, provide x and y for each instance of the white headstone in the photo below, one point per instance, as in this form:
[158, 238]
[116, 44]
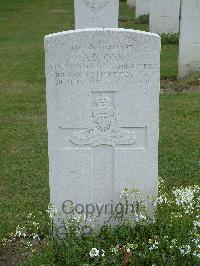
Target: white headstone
[103, 114]
[189, 43]
[142, 7]
[96, 13]
[164, 16]
[131, 3]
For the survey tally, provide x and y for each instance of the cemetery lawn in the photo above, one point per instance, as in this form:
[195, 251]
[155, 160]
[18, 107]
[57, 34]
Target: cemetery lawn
[24, 159]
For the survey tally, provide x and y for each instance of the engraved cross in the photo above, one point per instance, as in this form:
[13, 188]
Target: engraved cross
[104, 138]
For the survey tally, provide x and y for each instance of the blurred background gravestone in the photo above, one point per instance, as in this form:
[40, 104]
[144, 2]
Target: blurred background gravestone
[96, 13]
[131, 3]
[189, 43]
[142, 7]
[164, 16]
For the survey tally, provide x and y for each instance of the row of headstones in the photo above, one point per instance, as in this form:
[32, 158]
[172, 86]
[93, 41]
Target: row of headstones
[103, 107]
[164, 18]
[164, 14]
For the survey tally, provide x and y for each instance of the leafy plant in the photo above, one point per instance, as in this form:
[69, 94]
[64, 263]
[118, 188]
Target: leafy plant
[144, 19]
[169, 38]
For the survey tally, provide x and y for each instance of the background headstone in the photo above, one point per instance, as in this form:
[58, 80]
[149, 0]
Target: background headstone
[164, 16]
[142, 7]
[96, 13]
[189, 43]
[131, 3]
[103, 114]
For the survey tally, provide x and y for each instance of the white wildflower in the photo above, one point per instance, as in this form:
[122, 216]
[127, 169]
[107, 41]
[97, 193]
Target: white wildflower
[161, 183]
[196, 254]
[196, 241]
[183, 196]
[185, 250]
[176, 215]
[114, 250]
[36, 224]
[129, 192]
[132, 246]
[161, 199]
[94, 252]
[154, 245]
[196, 223]
[29, 215]
[79, 218]
[19, 231]
[134, 192]
[124, 193]
[140, 217]
[103, 253]
[29, 244]
[174, 241]
[52, 211]
[36, 237]
[140, 211]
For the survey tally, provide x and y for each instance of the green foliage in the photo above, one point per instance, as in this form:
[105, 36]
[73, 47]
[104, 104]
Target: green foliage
[169, 61]
[172, 237]
[170, 38]
[126, 19]
[144, 19]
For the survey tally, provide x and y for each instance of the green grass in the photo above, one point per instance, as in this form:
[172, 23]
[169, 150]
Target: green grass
[24, 161]
[169, 61]
[179, 134]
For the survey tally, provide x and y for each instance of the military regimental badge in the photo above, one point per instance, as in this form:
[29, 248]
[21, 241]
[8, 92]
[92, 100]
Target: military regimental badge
[104, 130]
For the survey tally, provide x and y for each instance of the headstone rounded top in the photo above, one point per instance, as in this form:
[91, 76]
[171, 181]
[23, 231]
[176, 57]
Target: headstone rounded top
[121, 30]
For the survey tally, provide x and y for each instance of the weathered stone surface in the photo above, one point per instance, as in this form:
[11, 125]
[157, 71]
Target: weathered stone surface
[131, 3]
[189, 45]
[142, 7]
[164, 16]
[103, 114]
[96, 13]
